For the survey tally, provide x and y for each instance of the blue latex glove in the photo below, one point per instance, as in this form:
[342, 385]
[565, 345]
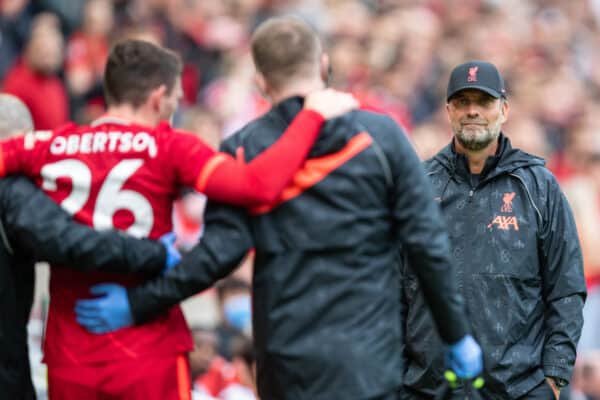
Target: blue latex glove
[173, 256]
[107, 313]
[464, 358]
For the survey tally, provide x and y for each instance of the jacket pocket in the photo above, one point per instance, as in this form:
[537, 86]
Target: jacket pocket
[503, 308]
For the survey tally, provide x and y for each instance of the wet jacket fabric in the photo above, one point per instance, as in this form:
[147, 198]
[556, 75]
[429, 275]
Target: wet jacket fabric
[325, 303]
[519, 267]
[34, 228]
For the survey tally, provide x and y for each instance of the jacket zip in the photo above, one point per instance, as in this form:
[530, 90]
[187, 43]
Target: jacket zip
[537, 211]
[468, 249]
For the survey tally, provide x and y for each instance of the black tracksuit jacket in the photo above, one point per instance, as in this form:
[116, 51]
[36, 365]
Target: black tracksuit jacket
[519, 268]
[34, 228]
[326, 295]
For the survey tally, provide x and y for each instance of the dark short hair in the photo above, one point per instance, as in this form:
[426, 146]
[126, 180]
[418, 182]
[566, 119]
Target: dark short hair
[135, 68]
[284, 48]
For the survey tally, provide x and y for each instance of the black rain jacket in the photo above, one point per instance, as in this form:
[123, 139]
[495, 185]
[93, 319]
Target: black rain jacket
[326, 291]
[34, 228]
[519, 267]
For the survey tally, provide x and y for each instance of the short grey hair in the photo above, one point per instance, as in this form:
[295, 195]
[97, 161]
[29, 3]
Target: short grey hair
[14, 116]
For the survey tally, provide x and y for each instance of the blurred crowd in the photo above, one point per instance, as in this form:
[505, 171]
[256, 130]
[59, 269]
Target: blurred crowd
[395, 55]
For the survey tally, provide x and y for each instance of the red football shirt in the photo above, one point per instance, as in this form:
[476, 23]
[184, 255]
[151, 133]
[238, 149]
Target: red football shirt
[114, 174]
[110, 174]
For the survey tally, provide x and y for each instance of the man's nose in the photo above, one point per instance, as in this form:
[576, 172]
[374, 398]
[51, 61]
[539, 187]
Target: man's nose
[472, 110]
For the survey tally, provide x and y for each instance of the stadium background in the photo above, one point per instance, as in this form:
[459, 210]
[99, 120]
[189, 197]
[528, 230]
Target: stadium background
[393, 54]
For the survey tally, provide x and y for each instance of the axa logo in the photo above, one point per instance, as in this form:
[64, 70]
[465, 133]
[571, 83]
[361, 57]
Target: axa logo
[472, 74]
[506, 222]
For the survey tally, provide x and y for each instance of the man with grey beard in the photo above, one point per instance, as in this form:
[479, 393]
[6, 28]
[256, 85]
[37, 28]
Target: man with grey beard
[515, 249]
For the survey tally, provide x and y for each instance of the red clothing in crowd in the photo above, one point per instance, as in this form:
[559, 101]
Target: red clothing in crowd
[187, 219]
[87, 52]
[222, 381]
[45, 95]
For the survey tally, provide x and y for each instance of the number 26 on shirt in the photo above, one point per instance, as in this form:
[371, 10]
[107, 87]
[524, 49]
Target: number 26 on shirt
[111, 197]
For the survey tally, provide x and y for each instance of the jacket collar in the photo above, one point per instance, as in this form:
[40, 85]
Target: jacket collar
[288, 108]
[506, 160]
[335, 133]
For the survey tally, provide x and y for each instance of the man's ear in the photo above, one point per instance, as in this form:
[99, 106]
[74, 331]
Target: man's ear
[155, 98]
[505, 110]
[261, 85]
[325, 68]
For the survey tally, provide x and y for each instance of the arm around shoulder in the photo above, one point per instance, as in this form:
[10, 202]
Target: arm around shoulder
[225, 242]
[37, 225]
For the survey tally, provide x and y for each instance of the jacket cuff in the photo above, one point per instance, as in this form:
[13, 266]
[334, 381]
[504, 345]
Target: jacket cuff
[557, 371]
[163, 259]
[138, 307]
[453, 332]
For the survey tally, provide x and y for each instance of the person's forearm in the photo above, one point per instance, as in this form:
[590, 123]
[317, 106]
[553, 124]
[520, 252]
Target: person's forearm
[225, 242]
[563, 285]
[437, 280]
[563, 323]
[37, 225]
[196, 271]
[427, 246]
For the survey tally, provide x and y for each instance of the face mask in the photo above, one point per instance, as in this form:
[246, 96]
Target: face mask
[238, 312]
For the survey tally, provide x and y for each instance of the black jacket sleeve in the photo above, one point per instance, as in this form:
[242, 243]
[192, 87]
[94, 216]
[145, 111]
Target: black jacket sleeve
[226, 240]
[421, 230]
[34, 224]
[564, 289]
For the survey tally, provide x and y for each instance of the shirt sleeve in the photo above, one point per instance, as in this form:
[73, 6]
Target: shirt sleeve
[21, 154]
[563, 281]
[424, 239]
[232, 181]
